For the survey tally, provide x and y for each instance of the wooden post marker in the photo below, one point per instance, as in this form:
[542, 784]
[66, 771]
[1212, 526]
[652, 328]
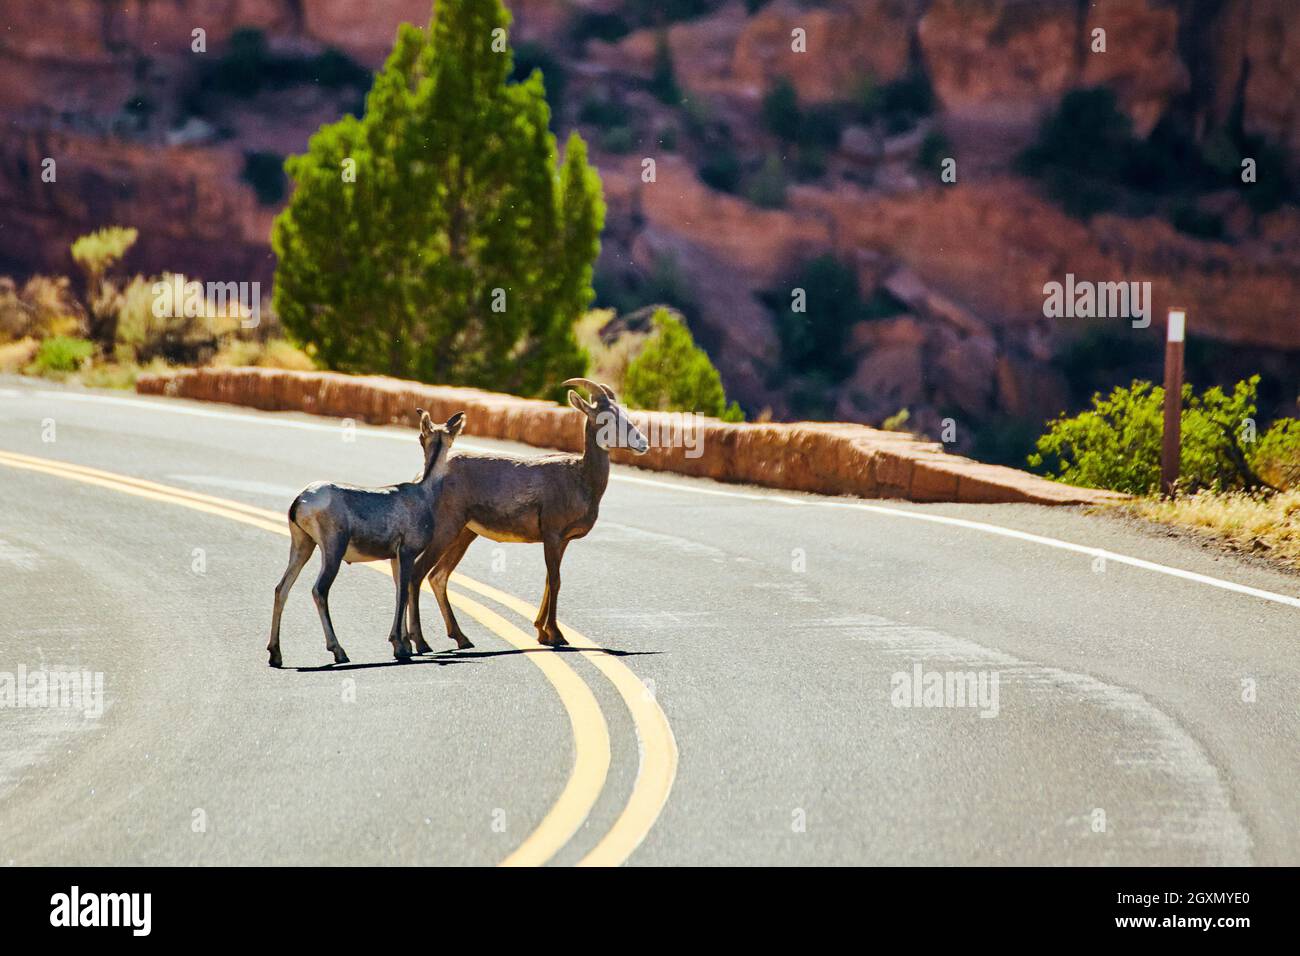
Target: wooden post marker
[1171, 440]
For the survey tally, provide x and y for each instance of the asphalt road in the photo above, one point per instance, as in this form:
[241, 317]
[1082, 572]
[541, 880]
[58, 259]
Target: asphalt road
[746, 707]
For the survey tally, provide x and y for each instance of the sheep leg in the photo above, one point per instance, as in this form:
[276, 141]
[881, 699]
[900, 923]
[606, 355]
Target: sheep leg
[332, 552]
[413, 633]
[397, 637]
[438, 581]
[301, 547]
[405, 635]
[548, 632]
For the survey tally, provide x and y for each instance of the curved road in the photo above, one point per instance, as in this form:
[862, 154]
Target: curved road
[745, 696]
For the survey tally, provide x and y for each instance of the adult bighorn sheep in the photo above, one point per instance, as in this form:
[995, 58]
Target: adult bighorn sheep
[352, 524]
[552, 499]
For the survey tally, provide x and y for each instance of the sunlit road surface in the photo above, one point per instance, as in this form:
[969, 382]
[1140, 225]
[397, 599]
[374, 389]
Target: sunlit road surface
[740, 692]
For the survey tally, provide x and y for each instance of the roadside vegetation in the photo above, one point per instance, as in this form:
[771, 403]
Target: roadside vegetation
[650, 359]
[1239, 483]
[103, 332]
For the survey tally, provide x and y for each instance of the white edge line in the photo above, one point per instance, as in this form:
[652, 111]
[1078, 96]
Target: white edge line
[967, 524]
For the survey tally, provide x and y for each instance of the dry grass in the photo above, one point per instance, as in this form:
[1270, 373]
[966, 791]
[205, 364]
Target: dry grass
[274, 353]
[16, 356]
[1253, 524]
[45, 306]
[608, 362]
[41, 307]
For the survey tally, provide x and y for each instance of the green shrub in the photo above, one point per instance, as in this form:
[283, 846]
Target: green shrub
[96, 254]
[1188, 218]
[767, 186]
[62, 353]
[590, 25]
[867, 100]
[821, 126]
[141, 107]
[663, 84]
[248, 66]
[604, 112]
[673, 374]
[1116, 443]
[242, 69]
[897, 422]
[1273, 185]
[1086, 139]
[265, 173]
[935, 148]
[780, 111]
[721, 169]
[910, 94]
[99, 251]
[1276, 456]
[617, 139]
[333, 69]
[906, 101]
[814, 338]
[657, 12]
[809, 162]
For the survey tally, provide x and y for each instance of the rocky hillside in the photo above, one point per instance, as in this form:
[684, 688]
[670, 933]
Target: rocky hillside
[784, 134]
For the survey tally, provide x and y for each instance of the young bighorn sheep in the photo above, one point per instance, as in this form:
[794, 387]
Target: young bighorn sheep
[552, 499]
[367, 524]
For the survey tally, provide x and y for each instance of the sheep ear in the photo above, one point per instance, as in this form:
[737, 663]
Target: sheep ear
[580, 404]
[455, 424]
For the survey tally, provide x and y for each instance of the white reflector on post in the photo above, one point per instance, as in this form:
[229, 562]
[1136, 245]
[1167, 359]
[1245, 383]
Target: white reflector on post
[1177, 325]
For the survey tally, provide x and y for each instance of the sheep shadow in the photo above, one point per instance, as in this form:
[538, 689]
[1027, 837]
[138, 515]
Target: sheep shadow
[443, 658]
[566, 649]
[427, 659]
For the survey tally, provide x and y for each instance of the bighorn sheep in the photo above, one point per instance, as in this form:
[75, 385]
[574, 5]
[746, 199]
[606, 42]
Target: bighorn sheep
[368, 524]
[552, 499]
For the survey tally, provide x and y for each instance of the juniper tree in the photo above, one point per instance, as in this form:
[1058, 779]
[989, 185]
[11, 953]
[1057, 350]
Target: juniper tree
[437, 237]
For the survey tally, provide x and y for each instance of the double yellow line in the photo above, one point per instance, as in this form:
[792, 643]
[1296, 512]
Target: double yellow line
[657, 749]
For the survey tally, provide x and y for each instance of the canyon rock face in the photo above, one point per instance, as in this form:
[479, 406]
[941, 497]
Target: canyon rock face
[961, 266]
[1016, 58]
[1257, 56]
[843, 42]
[193, 213]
